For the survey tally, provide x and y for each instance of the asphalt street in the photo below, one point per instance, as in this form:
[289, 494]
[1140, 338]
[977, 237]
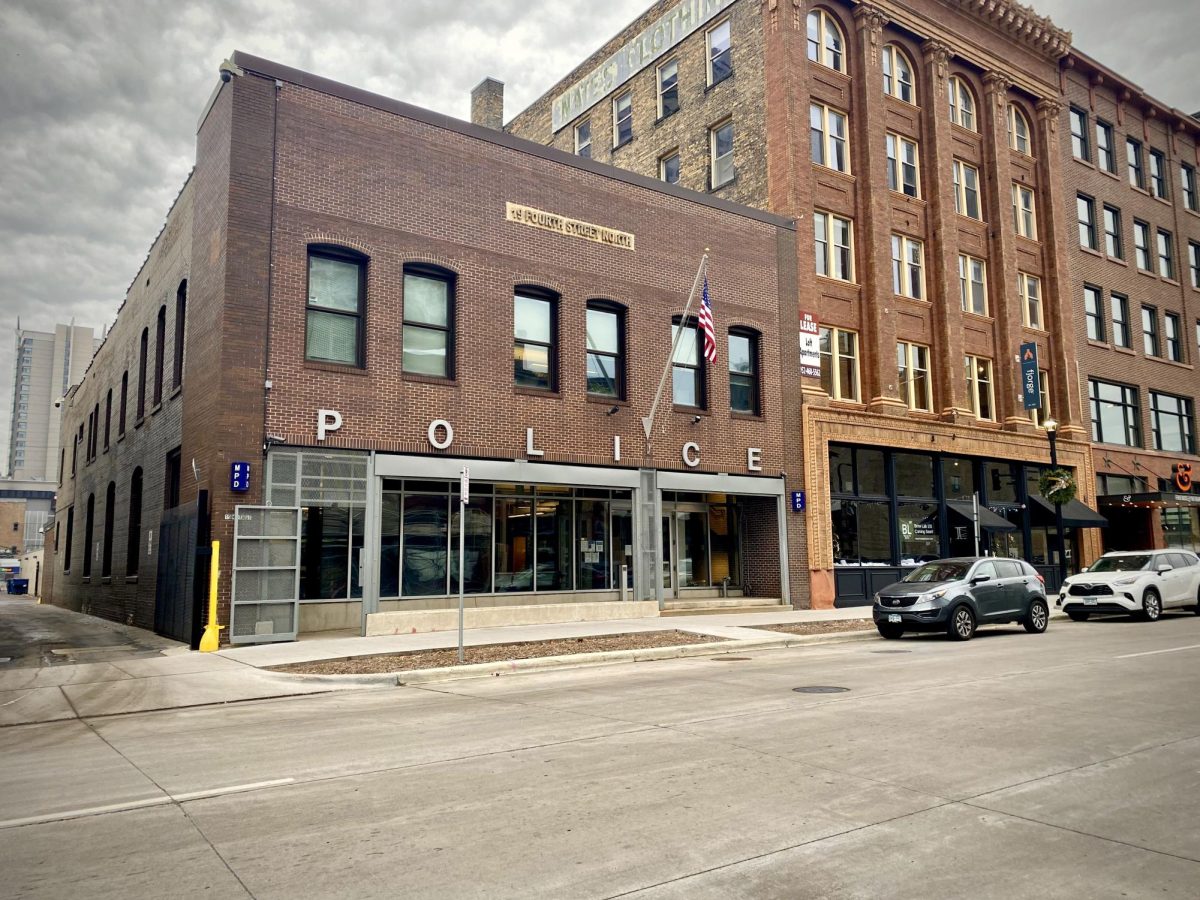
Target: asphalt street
[1015, 765]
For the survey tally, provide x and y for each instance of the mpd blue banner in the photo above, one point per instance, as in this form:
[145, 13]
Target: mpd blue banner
[1030, 387]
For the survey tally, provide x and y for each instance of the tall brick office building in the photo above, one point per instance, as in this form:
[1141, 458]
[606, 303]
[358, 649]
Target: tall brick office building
[358, 298]
[923, 149]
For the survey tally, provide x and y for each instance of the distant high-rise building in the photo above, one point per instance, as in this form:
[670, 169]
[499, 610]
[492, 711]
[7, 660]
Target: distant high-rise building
[48, 363]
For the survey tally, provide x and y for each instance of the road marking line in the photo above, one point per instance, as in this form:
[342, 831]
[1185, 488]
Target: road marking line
[1153, 652]
[141, 804]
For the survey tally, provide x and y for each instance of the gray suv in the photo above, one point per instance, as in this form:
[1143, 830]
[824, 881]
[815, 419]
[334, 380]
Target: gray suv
[956, 595]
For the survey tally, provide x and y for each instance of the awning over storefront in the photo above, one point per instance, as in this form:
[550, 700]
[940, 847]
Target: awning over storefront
[1075, 514]
[988, 520]
[1151, 500]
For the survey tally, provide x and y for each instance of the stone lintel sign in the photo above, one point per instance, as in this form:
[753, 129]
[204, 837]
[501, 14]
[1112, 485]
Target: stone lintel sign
[678, 22]
[527, 215]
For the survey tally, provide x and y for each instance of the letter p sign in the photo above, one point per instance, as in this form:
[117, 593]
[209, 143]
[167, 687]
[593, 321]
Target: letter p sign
[327, 420]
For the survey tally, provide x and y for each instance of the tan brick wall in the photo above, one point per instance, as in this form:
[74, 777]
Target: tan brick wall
[12, 527]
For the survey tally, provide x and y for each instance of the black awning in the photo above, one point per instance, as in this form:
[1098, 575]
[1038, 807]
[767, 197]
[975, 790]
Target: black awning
[1075, 514]
[988, 520]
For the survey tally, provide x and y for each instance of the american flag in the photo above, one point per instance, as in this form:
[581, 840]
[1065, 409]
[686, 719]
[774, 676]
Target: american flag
[706, 325]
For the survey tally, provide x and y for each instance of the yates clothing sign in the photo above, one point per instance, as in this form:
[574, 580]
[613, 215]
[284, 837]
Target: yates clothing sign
[440, 435]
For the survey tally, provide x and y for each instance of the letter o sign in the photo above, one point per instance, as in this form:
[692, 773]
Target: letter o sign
[691, 454]
[447, 431]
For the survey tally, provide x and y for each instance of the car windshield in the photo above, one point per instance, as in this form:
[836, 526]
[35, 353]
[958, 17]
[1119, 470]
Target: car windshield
[1121, 563]
[937, 571]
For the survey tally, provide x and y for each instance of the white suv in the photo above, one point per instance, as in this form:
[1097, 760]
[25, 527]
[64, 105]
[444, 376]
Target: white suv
[1143, 582]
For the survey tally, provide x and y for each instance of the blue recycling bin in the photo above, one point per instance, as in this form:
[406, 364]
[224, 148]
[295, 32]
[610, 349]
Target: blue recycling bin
[18, 585]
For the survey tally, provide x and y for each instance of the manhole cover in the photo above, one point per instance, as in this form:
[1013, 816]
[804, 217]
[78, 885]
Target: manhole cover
[731, 659]
[820, 689]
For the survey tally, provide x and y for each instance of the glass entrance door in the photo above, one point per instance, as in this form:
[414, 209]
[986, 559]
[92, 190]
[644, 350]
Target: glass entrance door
[686, 551]
[622, 545]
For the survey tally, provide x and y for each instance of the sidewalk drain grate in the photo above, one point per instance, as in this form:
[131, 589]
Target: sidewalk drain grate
[820, 689]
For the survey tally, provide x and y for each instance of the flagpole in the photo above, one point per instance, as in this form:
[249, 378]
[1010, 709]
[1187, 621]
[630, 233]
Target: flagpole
[648, 421]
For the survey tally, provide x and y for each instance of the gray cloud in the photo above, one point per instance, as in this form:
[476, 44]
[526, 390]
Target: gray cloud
[99, 105]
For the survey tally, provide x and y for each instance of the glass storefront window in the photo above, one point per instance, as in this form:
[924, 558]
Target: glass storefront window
[841, 469]
[553, 530]
[914, 475]
[426, 521]
[918, 527]
[477, 552]
[693, 549]
[871, 473]
[958, 478]
[1000, 482]
[845, 532]
[389, 545]
[874, 534]
[723, 542]
[593, 551]
[514, 545]
[325, 553]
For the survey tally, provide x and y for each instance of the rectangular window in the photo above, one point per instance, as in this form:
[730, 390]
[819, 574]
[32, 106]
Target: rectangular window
[979, 387]
[1042, 413]
[143, 350]
[902, 167]
[70, 539]
[720, 148]
[1079, 134]
[916, 388]
[668, 88]
[623, 119]
[908, 267]
[1173, 422]
[1150, 331]
[1112, 233]
[743, 372]
[336, 285]
[1141, 245]
[605, 335]
[534, 333]
[828, 137]
[839, 363]
[124, 400]
[1172, 333]
[1085, 212]
[687, 367]
[668, 168]
[583, 139]
[1122, 332]
[173, 479]
[1187, 184]
[1029, 289]
[1133, 158]
[1194, 262]
[428, 329]
[972, 282]
[160, 346]
[1158, 174]
[1093, 312]
[1166, 254]
[1116, 413]
[180, 326]
[1105, 157]
[720, 60]
[1024, 212]
[966, 190]
[834, 246]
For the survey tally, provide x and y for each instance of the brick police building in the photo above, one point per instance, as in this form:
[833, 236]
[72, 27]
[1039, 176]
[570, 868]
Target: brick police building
[354, 299]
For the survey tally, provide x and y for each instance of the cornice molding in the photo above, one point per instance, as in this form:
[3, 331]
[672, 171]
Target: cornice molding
[1021, 24]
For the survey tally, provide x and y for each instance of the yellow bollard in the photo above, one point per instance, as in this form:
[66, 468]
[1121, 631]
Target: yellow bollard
[212, 631]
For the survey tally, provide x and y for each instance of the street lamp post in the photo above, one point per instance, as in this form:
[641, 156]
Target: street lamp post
[1052, 434]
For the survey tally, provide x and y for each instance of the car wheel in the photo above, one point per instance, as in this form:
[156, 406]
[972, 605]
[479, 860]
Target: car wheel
[890, 632]
[961, 626]
[1151, 605]
[1038, 618]
[1077, 616]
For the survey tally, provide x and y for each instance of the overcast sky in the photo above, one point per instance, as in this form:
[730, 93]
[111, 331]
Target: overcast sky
[99, 102]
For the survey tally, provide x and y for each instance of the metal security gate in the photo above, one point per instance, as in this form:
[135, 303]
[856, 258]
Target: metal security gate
[266, 574]
[175, 594]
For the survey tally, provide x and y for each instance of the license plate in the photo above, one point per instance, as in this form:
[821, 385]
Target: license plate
[894, 617]
[1090, 601]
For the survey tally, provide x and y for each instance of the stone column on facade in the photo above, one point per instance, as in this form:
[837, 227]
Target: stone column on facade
[942, 260]
[873, 211]
[1002, 253]
[1057, 290]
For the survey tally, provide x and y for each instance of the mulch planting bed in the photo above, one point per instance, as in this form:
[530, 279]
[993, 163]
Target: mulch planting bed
[831, 627]
[437, 659]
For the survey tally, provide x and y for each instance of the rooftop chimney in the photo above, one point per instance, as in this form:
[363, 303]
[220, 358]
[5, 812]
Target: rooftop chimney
[487, 104]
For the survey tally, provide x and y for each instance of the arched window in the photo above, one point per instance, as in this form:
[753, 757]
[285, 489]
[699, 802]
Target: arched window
[141, 397]
[898, 74]
[107, 417]
[825, 42]
[180, 325]
[962, 103]
[1018, 131]
[337, 294]
[110, 501]
[133, 538]
[124, 397]
[535, 338]
[428, 329]
[160, 343]
[605, 338]
[89, 522]
[743, 371]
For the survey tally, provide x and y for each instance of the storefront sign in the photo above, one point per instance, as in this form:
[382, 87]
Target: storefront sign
[1030, 387]
[327, 420]
[679, 21]
[1181, 474]
[239, 477]
[810, 345]
[547, 221]
[797, 501]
